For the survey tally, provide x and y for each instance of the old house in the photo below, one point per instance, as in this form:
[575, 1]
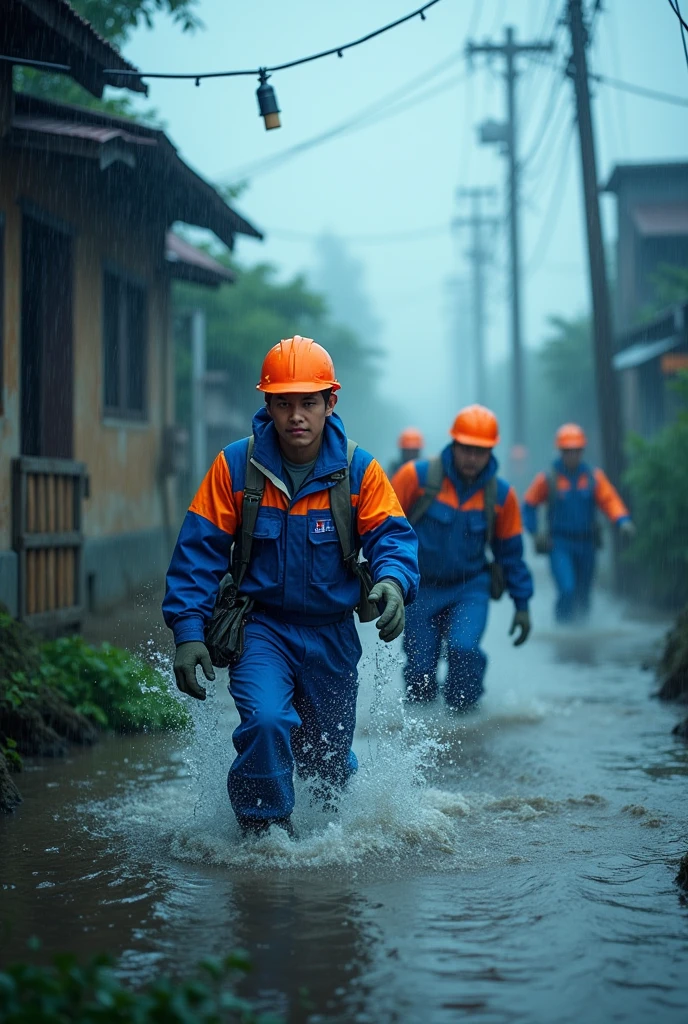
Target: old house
[652, 233]
[86, 360]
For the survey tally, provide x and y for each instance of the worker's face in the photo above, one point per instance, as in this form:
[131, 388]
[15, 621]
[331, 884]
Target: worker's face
[409, 454]
[470, 460]
[572, 458]
[299, 421]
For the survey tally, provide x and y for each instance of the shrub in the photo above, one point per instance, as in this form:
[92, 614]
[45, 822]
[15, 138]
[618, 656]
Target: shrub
[657, 478]
[113, 688]
[92, 995]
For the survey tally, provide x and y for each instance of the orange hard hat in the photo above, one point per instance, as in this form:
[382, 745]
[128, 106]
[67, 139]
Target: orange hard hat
[475, 425]
[411, 438]
[297, 365]
[570, 435]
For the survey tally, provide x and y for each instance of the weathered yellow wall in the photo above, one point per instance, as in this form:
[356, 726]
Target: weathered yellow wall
[122, 456]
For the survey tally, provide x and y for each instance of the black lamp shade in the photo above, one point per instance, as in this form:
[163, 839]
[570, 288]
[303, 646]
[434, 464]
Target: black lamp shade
[267, 106]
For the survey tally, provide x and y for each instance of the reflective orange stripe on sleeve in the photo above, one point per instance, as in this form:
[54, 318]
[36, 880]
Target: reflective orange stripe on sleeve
[508, 518]
[607, 497]
[215, 500]
[538, 490]
[405, 484]
[377, 500]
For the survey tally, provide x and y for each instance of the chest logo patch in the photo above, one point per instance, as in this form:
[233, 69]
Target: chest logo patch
[323, 526]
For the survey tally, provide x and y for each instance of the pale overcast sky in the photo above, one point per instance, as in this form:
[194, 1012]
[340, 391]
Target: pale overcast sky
[401, 174]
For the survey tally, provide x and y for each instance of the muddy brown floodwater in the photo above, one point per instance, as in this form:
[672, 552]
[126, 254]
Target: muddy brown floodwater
[515, 865]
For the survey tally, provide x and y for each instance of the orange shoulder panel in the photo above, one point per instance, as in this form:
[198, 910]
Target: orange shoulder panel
[508, 518]
[538, 490]
[215, 499]
[377, 500]
[405, 483]
[607, 498]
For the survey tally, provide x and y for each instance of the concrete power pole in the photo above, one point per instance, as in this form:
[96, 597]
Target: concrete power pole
[605, 377]
[478, 255]
[507, 135]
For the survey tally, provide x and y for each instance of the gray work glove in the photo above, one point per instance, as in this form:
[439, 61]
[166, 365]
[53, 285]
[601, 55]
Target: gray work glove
[521, 622]
[391, 623]
[188, 655]
[627, 529]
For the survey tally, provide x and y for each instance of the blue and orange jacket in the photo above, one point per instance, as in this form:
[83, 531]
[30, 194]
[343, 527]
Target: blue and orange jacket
[297, 568]
[572, 513]
[453, 533]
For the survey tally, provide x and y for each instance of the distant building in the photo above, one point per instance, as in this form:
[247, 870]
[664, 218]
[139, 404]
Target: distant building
[87, 459]
[652, 219]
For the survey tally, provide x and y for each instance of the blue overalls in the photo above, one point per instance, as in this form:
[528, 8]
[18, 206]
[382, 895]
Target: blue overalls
[296, 683]
[453, 599]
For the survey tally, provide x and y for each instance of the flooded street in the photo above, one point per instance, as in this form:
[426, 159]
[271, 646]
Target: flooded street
[512, 865]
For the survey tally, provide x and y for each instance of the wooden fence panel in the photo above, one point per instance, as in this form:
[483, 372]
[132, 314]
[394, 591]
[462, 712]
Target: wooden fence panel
[47, 514]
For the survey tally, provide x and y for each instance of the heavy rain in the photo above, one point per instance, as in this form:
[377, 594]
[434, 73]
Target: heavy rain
[343, 511]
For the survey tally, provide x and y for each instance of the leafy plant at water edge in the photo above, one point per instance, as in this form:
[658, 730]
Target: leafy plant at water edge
[110, 686]
[91, 994]
[657, 478]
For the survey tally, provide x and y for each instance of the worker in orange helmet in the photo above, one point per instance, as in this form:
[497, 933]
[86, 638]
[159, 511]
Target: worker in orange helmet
[572, 491]
[410, 444]
[470, 549]
[279, 508]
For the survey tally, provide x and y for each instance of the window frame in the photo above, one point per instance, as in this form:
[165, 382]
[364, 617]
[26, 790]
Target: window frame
[127, 284]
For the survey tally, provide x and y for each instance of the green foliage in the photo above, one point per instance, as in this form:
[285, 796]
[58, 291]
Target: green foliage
[657, 479]
[566, 357]
[670, 286]
[12, 756]
[91, 994]
[19, 651]
[113, 688]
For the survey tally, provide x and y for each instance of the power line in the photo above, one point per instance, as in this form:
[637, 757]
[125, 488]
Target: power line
[339, 50]
[675, 7]
[379, 111]
[640, 90]
[551, 216]
[677, 11]
[414, 235]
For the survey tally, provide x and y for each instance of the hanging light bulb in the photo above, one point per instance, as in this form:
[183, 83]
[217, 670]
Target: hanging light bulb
[267, 102]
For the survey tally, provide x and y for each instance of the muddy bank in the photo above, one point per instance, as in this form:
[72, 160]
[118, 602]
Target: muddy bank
[672, 669]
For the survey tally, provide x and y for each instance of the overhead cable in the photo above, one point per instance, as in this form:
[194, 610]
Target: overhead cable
[388, 106]
[339, 50]
[554, 208]
[413, 235]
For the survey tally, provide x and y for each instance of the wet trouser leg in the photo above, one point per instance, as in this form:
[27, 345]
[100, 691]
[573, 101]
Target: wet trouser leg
[295, 690]
[564, 573]
[422, 643]
[466, 625]
[584, 561]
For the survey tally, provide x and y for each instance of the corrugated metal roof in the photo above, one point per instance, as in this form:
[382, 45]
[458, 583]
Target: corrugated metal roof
[179, 251]
[185, 194]
[78, 130]
[660, 219]
[72, 34]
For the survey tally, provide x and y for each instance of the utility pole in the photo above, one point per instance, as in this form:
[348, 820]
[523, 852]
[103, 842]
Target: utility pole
[605, 377]
[507, 135]
[478, 255]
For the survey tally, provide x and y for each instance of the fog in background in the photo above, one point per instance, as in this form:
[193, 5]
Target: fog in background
[397, 175]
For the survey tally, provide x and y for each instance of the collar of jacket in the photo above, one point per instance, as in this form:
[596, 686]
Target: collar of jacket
[467, 490]
[331, 457]
[573, 476]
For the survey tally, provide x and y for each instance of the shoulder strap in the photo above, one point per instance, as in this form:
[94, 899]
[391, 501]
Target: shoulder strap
[340, 505]
[490, 502]
[433, 486]
[552, 491]
[253, 495]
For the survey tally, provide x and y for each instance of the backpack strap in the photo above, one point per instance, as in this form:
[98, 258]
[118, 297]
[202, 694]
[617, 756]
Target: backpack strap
[340, 505]
[490, 513]
[552, 492]
[253, 496]
[433, 486]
